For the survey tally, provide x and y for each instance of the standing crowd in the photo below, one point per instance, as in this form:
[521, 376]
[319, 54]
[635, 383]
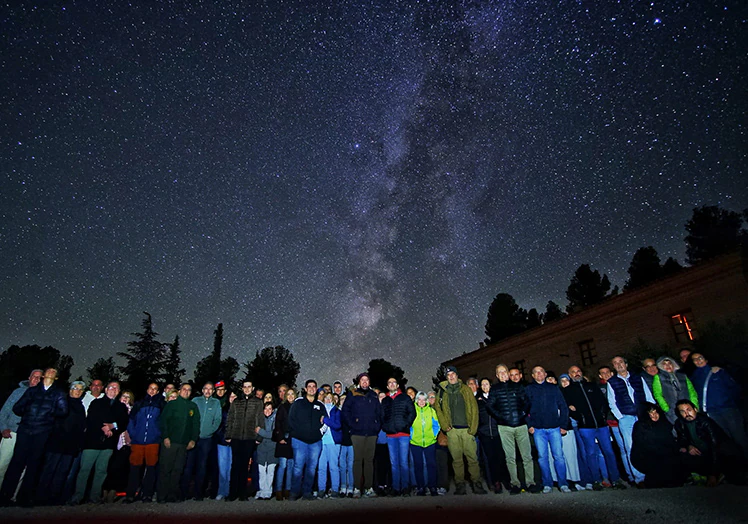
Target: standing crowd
[671, 424]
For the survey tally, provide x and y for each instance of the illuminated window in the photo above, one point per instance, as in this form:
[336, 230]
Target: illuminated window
[684, 326]
[588, 351]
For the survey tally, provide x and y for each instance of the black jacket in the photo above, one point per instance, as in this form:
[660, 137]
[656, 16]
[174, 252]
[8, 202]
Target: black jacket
[487, 425]
[280, 431]
[508, 403]
[588, 402]
[38, 409]
[105, 411]
[716, 442]
[67, 437]
[305, 420]
[399, 412]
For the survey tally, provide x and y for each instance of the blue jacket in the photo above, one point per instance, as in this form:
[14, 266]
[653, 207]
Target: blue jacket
[38, 409]
[722, 391]
[548, 408]
[143, 427]
[363, 413]
[8, 419]
[333, 421]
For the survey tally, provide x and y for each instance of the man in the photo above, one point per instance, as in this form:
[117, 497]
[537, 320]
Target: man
[627, 396]
[507, 401]
[587, 405]
[719, 398]
[245, 416]
[197, 458]
[9, 421]
[260, 393]
[304, 427]
[604, 373]
[472, 383]
[705, 448]
[337, 388]
[398, 414]
[95, 391]
[168, 388]
[107, 418]
[515, 375]
[362, 413]
[39, 407]
[282, 389]
[221, 393]
[547, 419]
[180, 429]
[686, 362]
[145, 440]
[649, 365]
[457, 411]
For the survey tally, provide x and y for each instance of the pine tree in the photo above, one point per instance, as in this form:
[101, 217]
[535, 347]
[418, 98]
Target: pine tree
[271, 367]
[172, 371]
[587, 288]
[552, 312]
[103, 369]
[712, 231]
[644, 268]
[146, 358]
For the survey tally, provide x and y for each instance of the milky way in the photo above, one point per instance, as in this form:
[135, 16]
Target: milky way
[353, 181]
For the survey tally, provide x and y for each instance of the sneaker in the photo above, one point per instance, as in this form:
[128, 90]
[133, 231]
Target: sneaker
[219, 497]
[478, 488]
[589, 487]
[292, 497]
[434, 492]
[597, 486]
[370, 493]
[579, 487]
[548, 489]
[421, 492]
[563, 489]
[333, 495]
[441, 491]
[515, 490]
[356, 493]
[343, 494]
[606, 484]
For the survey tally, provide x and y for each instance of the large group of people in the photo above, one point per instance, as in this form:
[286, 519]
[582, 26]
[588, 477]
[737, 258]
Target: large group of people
[669, 424]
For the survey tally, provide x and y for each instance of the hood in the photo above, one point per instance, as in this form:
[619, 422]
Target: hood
[23, 384]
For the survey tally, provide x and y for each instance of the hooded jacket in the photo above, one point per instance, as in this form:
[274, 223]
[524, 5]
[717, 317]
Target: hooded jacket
[8, 419]
[669, 388]
[143, 427]
[487, 425]
[444, 411]
[334, 425]
[362, 412]
[266, 447]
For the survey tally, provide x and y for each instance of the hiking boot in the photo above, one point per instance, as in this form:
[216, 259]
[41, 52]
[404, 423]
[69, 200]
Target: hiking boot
[515, 490]
[460, 489]
[478, 488]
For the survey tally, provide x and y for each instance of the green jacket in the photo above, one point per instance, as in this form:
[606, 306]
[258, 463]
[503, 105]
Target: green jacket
[425, 427]
[443, 411]
[180, 421]
[666, 396]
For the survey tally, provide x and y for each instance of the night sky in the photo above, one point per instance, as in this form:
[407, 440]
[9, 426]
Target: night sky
[353, 181]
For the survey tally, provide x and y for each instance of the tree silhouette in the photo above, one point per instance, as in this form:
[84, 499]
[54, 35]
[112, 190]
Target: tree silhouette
[271, 367]
[145, 357]
[712, 231]
[534, 319]
[671, 267]
[505, 318]
[441, 375]
[380, 370]
[16, 363]
[103, 369]
[173, 372]
[552, 312]
[215, 361]
[644, 268]
[587, 288]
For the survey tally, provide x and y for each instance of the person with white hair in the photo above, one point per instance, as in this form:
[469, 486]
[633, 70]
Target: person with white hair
[669, 386]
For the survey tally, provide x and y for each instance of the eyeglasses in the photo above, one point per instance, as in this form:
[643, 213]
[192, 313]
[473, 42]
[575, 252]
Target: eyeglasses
[698, 358]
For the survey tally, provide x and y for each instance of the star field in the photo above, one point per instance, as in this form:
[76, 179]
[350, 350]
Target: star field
[352, 181]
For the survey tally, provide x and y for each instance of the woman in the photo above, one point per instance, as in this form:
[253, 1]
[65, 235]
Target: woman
[266, 460]
[118, 470]
[654, 450]
[569, 445]
[345, 462]
[269, 398]
[423, 435]
[283, 450]
[328, 459]
[669, 386]
[490, 442]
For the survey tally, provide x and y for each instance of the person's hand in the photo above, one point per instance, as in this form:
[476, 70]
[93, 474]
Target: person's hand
[282, 441]
[572, 408]
[167, 443]
[322, 419]
[190, 445]
[563, 432]
[107, 428]
[682, 450]
[711, 481]
[257, 429]
[6, 433]
[532, 431]
[715, 369]
[228, 440]
[693, 450]
[128, 440]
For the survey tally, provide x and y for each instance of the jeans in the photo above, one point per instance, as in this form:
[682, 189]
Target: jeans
[399, 448]
[28, 454]
[345, 463]
[591, 450]
[552, 436]
[305, 459]
[52, 480]
[425, 455]
[328, 459]
[285, 465]
[196, 464]
[224, 469]
[626, 425]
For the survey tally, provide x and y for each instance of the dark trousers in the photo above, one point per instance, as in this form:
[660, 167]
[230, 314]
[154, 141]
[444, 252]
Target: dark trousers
[27, 454]
[363, 461]
[427, 455]
[442, 466]
[118, 470]
[241, 452]
[196, 464]
[52, 481]
[495, 460]
[171, 464]
[145, 481]
[382, 466]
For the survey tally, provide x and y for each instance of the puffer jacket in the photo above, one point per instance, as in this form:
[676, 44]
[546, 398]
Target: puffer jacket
[245, 414]
[38, 409]
[508, 403]
[143, 427]
[398, 414]
[8, 419]
[69, 431]
[487, 425]
[363, 413]
[425, 427]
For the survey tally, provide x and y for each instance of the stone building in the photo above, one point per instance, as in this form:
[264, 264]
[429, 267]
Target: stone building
[668, 312]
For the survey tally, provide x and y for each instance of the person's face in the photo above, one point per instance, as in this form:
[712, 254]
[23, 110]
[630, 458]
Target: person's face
[96, 387]
[267, 398]
[452, 377]
[259, 393]
[698, 360]
[667, 366]
[575, 373]
[185, 391]
[515, 376]
[290, 395]
[473, 385]
[282, 392]
[687, 412]
[654, 416]
[247, 388]
[605, 374]
[328, 398]
[220, 391]
[112, 390]
[126, 399]
[208, 390]
[538, 374]
[50, 374]
[392, 385]
[337, 388]
[565, 382]
[35, 378]
[620, 366]
[171, 396]
[152, 390]
[412, 393]
[364, 382]
[321, 395]
[328, 389]
[267, 410]
[76, 391]
[432, 398]
[649, 366]
[502, 373]
[684, 354]
[311, 389]
[421, 402]
[485, 386]
[168, 389]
